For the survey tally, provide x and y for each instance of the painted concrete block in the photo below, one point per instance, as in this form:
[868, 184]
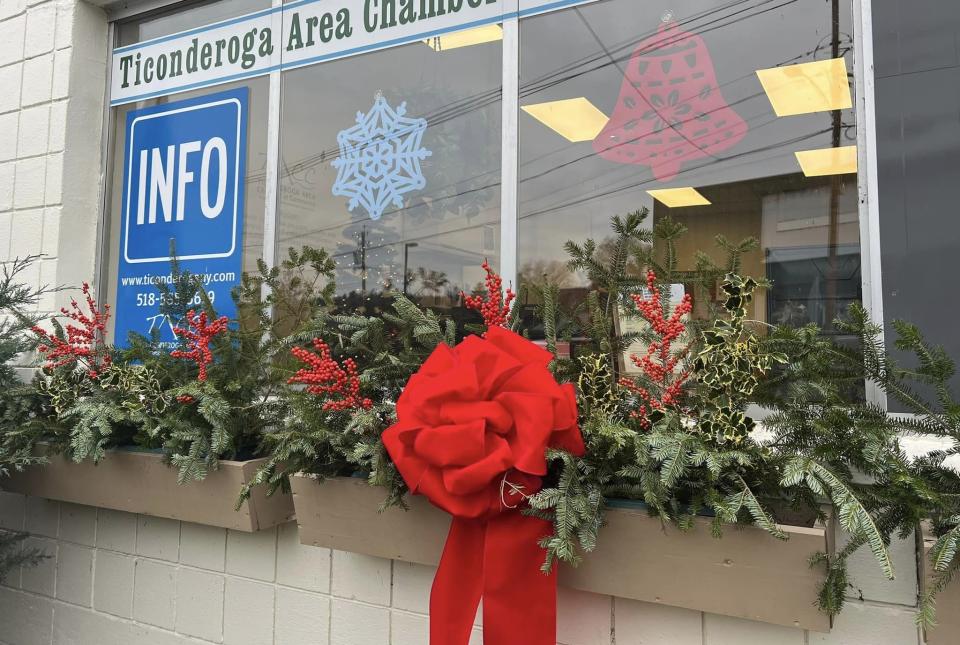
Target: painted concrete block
[204, 547]
[75, 574]
[158, 537]
[303, 618]
[304, 567]
[354, 623]
[200, 604]
[154, 593]
[113, 589]
[252, 555]
[248, 612]
[116, 531]
[78, 523]
[361, 577]
[40, 578]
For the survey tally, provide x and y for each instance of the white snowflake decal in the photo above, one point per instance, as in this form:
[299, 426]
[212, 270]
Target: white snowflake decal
[380, 158]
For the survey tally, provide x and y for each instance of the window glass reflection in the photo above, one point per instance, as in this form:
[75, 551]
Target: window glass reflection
[734, 119]
[391, 162]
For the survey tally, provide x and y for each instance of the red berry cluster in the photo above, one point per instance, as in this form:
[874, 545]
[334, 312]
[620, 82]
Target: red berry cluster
[84, 344]
[199, 336]
[660, 361]
[324, 377]
[185, 399]
[493, 306]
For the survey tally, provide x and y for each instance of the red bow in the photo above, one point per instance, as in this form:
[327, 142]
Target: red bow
[473, 426]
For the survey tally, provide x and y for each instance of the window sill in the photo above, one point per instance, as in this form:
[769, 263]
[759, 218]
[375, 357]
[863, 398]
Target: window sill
[140, 482]
[746, 574]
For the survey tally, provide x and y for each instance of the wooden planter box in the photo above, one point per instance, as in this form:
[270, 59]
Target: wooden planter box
[140, 482]
[746, 574]
[948, 604]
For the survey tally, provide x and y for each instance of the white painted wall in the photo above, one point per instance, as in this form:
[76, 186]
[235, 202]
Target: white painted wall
[52, 75]
[120, 579]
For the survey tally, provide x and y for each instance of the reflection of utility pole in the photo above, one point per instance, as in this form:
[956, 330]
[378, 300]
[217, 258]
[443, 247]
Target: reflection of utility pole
[406, 256]
[834, 229]
[360, 259]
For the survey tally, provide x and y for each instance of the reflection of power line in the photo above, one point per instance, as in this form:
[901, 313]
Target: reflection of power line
[740, 155]
[484, 99]
[627, 47]
[674, 37]
[459, 108]
[645, 182]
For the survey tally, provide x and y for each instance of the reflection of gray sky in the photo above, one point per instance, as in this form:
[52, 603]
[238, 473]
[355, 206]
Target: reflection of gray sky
[180, 19]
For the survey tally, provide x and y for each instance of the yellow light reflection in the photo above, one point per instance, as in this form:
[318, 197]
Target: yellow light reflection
[807, 87]
[679, 197]
[828, 161]
[573, 119]
[465, 38]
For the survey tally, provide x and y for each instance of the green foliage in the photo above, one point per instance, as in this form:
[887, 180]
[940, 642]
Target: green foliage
[696, 457]
[821, 452]
[22, 410]
[387, 349]
[150, 399]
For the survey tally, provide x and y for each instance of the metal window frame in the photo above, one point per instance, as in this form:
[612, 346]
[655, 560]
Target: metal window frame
[871, 269]
[510, 146]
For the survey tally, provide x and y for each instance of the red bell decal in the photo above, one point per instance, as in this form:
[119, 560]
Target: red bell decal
[670, 110]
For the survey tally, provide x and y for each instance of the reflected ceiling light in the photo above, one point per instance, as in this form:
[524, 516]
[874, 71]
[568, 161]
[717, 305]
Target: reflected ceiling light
[573, 119]
[465, 38]
[808, 87]
[679, 197]
[828, 161]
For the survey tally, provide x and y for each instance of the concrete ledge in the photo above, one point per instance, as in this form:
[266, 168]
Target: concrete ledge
[746, 574]
[140, 482]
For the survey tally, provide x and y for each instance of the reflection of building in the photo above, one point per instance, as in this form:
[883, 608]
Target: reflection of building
[790, 217]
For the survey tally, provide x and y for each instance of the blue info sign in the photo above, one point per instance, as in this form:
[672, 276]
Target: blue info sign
[183, 181]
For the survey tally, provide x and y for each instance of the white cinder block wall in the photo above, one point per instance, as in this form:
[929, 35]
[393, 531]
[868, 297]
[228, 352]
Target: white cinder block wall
[52, 75]
[120, 579]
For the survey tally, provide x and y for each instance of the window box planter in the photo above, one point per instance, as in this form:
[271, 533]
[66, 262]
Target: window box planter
[746, 574]
[948, 603]
[140, 482]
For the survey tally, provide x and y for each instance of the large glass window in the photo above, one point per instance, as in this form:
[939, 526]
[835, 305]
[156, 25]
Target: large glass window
[740, 113]
[391, 162]
[732, 118]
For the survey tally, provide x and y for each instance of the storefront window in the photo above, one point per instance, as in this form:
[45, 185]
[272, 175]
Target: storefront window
[734, 120]
[740, 112]
[391, 162]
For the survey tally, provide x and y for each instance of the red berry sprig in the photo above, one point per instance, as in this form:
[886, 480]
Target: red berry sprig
[493, 306]
[660, 360]
[199, 336]
[84, 343]
[323, 376]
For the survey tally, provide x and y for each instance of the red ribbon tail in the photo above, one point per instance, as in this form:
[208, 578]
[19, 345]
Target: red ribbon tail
[458, 584]
[500, 559]
[519, 600]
